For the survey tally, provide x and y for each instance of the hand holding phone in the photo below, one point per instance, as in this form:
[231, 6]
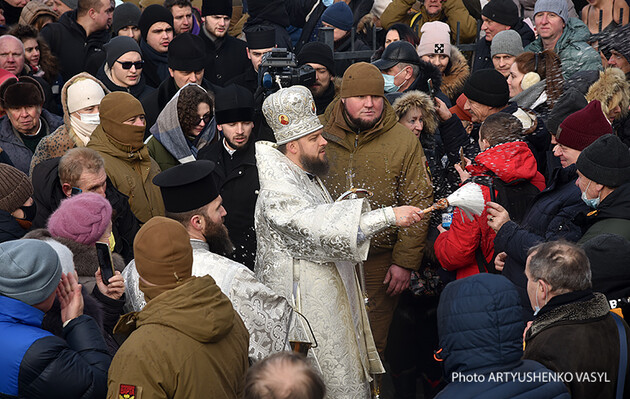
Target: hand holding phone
[105, 262]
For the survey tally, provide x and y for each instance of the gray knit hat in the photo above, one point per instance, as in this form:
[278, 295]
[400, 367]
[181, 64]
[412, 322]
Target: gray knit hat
[558, 7]
[506, 42]
[30, 270]
[15, 188]
[126, 14]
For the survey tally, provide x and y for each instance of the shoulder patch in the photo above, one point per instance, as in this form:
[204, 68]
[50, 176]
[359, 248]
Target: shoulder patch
[126, 391]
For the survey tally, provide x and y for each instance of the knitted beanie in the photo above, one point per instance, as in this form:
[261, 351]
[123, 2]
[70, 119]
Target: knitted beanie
[362, 79]
[84, 93]
[317, 53]
[126, 14]
[558, 7]
[151, 15]
[504, 12]
[583, 127]
[187, 52]
[15, 188]
[488, 87]
[606, 161]
[116, 107]
[83, 218]
[339, 15]
[435, 39]
[119, 46]
[30, 270]
[506, 42]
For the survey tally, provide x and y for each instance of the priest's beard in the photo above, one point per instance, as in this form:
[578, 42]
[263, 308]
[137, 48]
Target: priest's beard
[314, 165]
[217, 237]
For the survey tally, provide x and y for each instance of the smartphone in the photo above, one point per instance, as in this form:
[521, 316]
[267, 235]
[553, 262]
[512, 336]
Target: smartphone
[105, 262]
[430, 86]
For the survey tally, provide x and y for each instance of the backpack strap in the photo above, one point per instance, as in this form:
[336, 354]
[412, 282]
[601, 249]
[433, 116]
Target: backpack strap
[623, 356]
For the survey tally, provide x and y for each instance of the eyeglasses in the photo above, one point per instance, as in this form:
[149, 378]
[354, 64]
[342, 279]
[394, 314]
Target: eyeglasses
[206, 119]
[129, 64]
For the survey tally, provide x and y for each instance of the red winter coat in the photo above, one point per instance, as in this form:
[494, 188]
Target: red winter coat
[455, 249]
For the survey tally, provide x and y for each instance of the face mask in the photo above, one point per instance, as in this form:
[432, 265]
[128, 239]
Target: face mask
[327, 3]
[92, 119]
[591, 202]
[29, 212]
[390, 87]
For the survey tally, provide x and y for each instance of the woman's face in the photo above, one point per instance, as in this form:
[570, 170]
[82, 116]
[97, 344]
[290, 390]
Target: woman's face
[204, 116]
[31, 51]
[614, 109]
[438, 60]
[412, 119]
[514, 80]
[391, 37]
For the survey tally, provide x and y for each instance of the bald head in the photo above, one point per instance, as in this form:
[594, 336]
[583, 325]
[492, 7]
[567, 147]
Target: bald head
[11, 54]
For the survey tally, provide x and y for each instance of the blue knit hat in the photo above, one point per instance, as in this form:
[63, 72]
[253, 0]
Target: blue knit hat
[558, 7]
[339, 15]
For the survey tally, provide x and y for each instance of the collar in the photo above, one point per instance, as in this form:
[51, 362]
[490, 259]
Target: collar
[228, 149]
[199, 244]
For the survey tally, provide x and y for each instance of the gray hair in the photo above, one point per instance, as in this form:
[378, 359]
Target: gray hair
[561, 264]
[415, 69]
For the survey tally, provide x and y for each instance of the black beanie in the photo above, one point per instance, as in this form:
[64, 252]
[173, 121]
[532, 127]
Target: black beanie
[216, 7]
[234, 103]
[317, 53]
[606, 161]
[118, 46]
[152, 14]
[487, 87]
[504, 12]
[187, 52]
[126, 14]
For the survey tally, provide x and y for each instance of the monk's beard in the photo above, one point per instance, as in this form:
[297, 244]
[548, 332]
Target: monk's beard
[217, 237]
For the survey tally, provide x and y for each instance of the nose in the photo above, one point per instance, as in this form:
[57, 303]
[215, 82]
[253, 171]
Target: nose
[484, 26]
[133, 68]
[611, 61]
[369, 102]
[467, 106]
[322, 141]
[223, 211]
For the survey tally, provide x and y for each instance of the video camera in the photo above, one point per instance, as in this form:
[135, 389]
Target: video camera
[279, 68]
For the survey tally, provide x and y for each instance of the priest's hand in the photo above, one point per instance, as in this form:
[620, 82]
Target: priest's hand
[407, 215]
[398, 279]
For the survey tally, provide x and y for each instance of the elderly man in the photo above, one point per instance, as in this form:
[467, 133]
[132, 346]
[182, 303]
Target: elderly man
[26, 122]
[565, 36]
[573, 329]
[308, 245]
[369, 149]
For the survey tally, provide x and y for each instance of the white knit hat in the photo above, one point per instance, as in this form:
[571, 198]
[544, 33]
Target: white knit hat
[435, 39]
[84, 93]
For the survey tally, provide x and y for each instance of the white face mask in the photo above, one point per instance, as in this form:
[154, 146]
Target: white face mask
[92, 119]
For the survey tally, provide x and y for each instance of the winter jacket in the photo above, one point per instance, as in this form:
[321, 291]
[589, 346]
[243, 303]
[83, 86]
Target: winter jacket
[483, 60]
[455, 248]
[453, 11]
[238, 185]
[572, 48]
[389, 161]
[226, 58]
[139, 90]
[575, 332]
[168, 355]
[612, 216]
[10, 229]
[13, 145]
[48, 195]
[132, 174]
[69, 43]
[248, 79]
[63, 138]
[549, 218]
[454, 77]
[481, 334]
[38, 364]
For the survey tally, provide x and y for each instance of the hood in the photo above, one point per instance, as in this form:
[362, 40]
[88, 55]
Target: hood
[574, 31]
[99, 141]
[480, 323]
[35, 9]
[199, 299]
[427, 71]
[509, 161]
[421, 100]
[610, 89]
[455, 78]
[64, 93]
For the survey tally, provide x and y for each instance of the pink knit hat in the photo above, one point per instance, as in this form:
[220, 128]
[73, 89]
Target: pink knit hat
[82, 218]
[435, 39]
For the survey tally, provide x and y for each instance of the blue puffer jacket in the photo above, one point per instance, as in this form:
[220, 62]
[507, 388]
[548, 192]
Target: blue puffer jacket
[37, 364]
[549, 218]
[481, 336]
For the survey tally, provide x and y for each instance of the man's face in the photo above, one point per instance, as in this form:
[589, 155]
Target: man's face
[237, 134]
[182, 78]
[401, 75]
[566, 155]
[159, 36]
[492, 28]
[11, 55]
[312, 153]
[502, 63]
[323, 78]
[217, 25]
[90, 182]
[60, 7]
[126, 77]
[131, 31]
[256, 56]
[138, 120]
[337, 32]
[25, 119]
[587, 186]
[182, 19]
[619, 61]
[213, 229]
[549, 25]
[433, 6]
[103, 16]
[478, 112]
[364, 111]
[17, 3]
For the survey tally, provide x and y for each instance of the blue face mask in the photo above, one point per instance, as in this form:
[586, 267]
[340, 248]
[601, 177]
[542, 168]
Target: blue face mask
[536, 308]
[328, 3]
[591, 202]
[390, 87]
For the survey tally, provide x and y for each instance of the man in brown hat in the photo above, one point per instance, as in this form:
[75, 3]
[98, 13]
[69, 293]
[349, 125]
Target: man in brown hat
[369, 149]
[188, 341]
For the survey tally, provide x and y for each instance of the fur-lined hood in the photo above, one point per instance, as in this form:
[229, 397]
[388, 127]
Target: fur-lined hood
[611, 89]
[455, 77]
[419, 99]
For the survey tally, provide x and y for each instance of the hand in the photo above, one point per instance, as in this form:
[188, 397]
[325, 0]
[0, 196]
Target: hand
[463, 173]
[442, 110]
[441, 229]
[499, 261]
[398, 279]
[70, 297]
[116, 287]
[497, 215]
[407, 215]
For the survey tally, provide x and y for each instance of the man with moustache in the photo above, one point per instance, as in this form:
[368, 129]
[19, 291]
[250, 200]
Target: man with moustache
[320, 57]
[308, 245]
[191, 197]
[236, 172]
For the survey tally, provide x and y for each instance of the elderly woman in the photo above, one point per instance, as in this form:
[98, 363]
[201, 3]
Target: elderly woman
[122, 69]
[185, 126]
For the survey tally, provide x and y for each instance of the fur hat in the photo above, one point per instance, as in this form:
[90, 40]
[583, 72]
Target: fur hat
[611, 89]
[24, 92]
[421, 100]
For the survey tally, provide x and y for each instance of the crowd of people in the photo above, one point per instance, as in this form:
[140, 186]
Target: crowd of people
[179, 220]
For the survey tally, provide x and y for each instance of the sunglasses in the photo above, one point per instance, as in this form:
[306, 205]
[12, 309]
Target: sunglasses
[206, 119]
[129, 64]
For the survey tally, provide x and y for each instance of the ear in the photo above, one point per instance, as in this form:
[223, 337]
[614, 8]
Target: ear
[292, 147]
[220, 128]
[170, 71]
[598, 187]
[67, 189]
[408, 72]
[249, 55]
[545, 289]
